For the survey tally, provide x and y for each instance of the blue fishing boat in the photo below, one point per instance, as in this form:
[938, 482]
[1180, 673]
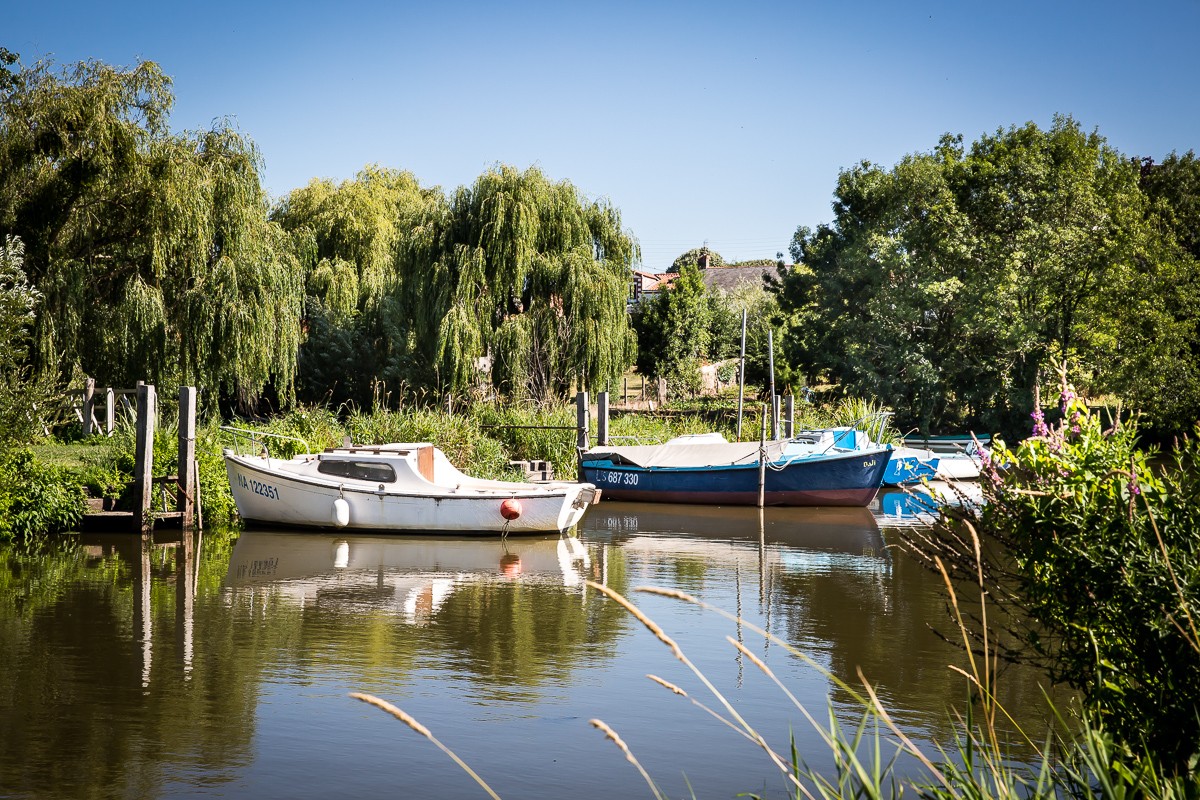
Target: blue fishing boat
[910, 465]
[959, 457]
[707, 471]
[906, 464]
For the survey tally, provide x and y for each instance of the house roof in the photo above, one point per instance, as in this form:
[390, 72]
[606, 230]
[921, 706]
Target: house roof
[730, 278]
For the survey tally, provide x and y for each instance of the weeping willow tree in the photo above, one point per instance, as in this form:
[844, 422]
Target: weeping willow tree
[348, 236]
[527, 274]
[152, 251]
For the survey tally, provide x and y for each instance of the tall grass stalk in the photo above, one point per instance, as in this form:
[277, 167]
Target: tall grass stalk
[979, 766]
[677, 651]
[411, 722]
[613, 737]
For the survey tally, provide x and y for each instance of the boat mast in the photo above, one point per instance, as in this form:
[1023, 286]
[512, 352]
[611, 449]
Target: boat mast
[741, 376]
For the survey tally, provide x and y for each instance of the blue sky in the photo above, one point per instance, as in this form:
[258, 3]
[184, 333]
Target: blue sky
[721, 123]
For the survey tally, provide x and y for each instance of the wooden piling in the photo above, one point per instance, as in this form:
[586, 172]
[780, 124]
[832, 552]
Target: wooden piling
[602, 419]
[771, 357]
[187, 455]
[789, 424]
[89, 405]
[143, 466]
[741, 376]
[582, 437]
[762, 460]
[110, 412]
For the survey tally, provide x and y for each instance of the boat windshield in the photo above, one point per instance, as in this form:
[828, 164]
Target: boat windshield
[358, 470]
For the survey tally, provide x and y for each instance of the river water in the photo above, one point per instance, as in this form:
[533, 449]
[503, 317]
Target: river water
[221, 666]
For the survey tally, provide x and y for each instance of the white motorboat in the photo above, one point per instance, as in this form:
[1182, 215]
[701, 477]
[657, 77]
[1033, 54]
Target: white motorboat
[396, 488]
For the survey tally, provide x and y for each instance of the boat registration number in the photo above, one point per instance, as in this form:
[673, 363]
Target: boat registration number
[263, 489]
[617, 478]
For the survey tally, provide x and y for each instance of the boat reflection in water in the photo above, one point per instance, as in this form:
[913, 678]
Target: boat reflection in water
[920, 504]
[794, 539]
[410, 576]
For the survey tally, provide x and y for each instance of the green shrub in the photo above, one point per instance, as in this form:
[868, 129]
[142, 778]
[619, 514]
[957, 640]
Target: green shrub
[216, 498]
[1097, 547]
[36, 499]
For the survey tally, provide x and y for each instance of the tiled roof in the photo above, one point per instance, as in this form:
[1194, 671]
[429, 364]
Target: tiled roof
[730, 278]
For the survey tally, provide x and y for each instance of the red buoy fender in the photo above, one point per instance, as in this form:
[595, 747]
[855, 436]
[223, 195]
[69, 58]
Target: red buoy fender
[510, 509]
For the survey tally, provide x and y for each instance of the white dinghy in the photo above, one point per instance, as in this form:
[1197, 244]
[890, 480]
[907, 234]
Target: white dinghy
[395, 488]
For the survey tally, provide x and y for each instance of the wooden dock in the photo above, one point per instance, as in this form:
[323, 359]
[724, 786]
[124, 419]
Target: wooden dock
[183, 485]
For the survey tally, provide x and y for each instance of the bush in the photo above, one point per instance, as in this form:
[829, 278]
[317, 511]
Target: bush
[1097, 548]
[36, 499]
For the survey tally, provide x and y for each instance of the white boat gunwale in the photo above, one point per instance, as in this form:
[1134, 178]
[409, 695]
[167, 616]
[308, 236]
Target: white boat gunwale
[372, 487]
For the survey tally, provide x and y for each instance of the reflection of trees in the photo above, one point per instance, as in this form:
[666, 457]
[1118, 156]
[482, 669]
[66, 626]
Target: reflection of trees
[85, 712]
[885, 623]
[92, 706]
[523, 635]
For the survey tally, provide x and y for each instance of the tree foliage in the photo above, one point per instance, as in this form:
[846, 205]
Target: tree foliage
[693, 257]
[675, 329]
[349, 237]
[537, 276]
[152, 250]
[20, 391]
[516, 271]
[689, 323]
[1173, 186]
[951, 285]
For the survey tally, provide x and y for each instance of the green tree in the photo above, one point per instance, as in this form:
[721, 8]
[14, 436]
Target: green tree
[350, 237]
[693, 257]
[152, 251]
[1173, 187]
[20, 393]
[762, 318]
[951, 285]
[515, 271]
[877, 301]
[7, 60]
[675, 331]
[1155, 351]
[527, 272]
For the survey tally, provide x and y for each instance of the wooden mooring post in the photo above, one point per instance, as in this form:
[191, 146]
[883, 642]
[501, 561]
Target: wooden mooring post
[143, 457]
[582, 417]
[186, 490]
[602, 419]
[187, 455]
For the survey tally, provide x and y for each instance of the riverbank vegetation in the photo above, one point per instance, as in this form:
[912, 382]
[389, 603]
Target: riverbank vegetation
[1086, 547]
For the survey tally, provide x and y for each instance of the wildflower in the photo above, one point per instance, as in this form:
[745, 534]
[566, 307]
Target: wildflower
[1039, 423]
[1067, 397]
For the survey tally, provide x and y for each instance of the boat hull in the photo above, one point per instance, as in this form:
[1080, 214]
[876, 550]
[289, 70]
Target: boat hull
[958, 467]
[265, 495]
[850, 479]
[910, 465]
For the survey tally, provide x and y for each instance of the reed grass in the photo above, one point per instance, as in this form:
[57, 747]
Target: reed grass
[978, 764]
[613, 737]
[412, 723]
[866, 757]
